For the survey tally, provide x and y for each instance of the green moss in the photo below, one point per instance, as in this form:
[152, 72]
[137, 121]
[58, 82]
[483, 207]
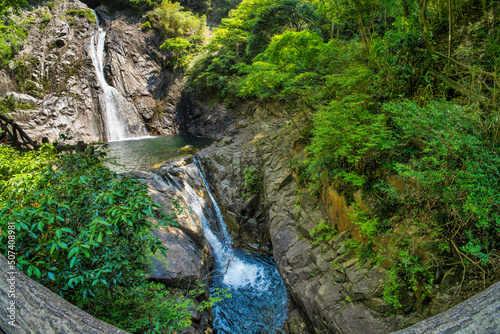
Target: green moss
[84, 13]
[146, 26]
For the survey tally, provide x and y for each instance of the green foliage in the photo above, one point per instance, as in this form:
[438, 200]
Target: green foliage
[46, 17]
[84, 13]
[147, 308]
[134, 7]
[402, 55]
[456, 167]
[150, 307]
[146, 26]
[11, 4]
[346, 65]
[79, 227]
[346, 138]
[323, 233]
[284, 15]
[287, 69]
[171, 21]
[253, 179]
[13, 32]
[180, 49]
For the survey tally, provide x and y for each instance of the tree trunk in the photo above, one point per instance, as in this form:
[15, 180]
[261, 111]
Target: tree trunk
[37, 310]
[449, 28]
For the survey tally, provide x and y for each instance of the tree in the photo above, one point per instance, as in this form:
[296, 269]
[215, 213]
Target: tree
[78, 227]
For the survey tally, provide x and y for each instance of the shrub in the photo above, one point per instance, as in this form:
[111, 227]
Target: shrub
[147, 308]
[253, 179]
[146, 26]
[84, 13]
[79, 228]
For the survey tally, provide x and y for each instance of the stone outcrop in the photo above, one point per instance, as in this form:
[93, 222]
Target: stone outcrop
[189, 257]
[478, 314]
[39, 310]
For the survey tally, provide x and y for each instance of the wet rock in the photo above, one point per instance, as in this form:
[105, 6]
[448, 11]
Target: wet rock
[183, 266]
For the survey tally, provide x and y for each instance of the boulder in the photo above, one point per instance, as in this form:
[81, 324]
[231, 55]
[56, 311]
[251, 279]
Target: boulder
[184, 264]
[39, 310]
[479, 314]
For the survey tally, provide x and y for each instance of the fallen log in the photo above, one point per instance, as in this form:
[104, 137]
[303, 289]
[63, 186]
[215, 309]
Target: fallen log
[37, 310]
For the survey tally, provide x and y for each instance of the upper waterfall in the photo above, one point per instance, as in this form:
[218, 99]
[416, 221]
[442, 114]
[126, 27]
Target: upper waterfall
[120, 117]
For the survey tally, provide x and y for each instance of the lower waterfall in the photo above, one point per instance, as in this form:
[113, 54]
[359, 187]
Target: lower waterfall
[259, 298]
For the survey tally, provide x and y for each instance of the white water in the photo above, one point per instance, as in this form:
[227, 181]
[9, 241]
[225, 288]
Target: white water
[237, 272]
[259, 297]
[120, 116]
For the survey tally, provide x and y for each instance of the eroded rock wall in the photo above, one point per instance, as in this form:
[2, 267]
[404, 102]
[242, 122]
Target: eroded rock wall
[334, 292]
[55, 74]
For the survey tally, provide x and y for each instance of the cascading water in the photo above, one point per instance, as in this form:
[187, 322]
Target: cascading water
[122, 121]
[259, 296]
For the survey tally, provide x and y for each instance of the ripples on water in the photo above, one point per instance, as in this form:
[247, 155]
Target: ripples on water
[259, 296]
[143, 153]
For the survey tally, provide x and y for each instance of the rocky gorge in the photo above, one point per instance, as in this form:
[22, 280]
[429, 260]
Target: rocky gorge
[53, 78]
[249, 171]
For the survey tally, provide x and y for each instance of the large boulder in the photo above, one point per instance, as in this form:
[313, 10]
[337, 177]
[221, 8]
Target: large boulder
[36, 309]
[479, 314]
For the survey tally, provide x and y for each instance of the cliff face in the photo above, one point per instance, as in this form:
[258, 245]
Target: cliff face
[334, 293]
[54, 69]
[54, 79]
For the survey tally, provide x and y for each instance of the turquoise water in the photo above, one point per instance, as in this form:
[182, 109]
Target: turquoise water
[144, 153]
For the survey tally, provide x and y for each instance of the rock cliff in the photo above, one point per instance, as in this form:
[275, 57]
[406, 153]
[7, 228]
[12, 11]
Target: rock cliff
[267, 213]
[54, 73]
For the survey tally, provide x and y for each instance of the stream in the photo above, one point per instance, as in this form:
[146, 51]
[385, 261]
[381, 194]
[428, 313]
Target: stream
[259, 297]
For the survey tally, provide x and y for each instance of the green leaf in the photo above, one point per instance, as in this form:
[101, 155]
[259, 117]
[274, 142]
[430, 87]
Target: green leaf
[86, 252]
[51, 275]
[72, 262]
[53, 248]
[73, 251]
[40, 226]
[65, 229]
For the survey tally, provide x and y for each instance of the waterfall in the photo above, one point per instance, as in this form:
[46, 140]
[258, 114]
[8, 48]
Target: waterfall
[121, 119]
[259, 297]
